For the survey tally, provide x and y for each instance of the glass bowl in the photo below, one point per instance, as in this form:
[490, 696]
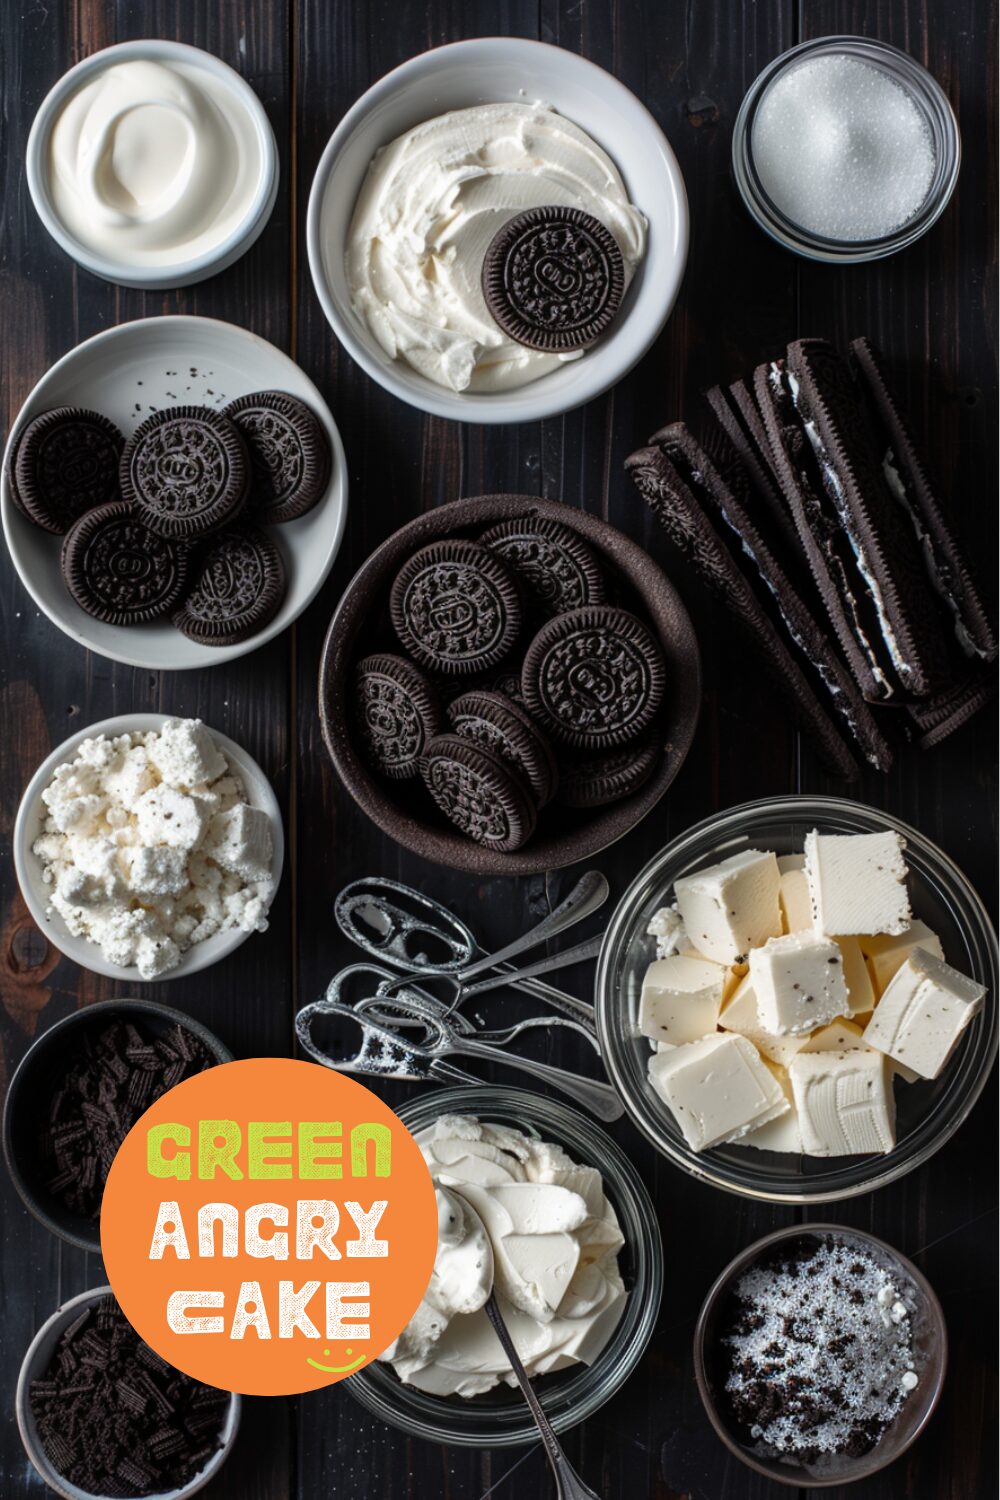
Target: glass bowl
[928, 96]
[928, 1112]
[500, 1418]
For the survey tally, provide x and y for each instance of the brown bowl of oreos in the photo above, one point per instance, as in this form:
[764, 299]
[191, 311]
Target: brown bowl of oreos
[509, 685]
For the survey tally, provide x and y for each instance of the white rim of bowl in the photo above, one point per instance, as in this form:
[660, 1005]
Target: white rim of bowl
[530, 403]
[196, 958]
[182, 273]
[338, 478]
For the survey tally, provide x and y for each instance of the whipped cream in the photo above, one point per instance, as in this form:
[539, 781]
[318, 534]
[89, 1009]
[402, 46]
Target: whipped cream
[154, 163]
[555, 1241]
[432, 202]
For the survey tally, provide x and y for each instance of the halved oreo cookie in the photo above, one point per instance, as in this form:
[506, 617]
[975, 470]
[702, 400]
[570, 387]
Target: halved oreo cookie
[594, 677]
[608, 778]
[478, 792]
[186, 471]
[64, 464]
[398, 712]
[555, 567]
[495, 722]
[289, 454]
[553, 278]
[118, 570]
[455, 607]
[239, 585]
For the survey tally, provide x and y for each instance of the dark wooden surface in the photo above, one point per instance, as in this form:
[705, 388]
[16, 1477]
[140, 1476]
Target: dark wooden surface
[933, 310]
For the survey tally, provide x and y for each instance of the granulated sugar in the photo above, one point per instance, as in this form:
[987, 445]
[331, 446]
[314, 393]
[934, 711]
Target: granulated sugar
[842, 150]
[821, 1352]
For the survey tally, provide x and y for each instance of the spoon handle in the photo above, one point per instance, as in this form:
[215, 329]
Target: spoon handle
[599, 1098]
[581, 953]
[590, 892]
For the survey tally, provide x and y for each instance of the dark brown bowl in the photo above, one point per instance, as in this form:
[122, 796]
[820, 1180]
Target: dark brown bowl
[930, 1348]
[578, 835]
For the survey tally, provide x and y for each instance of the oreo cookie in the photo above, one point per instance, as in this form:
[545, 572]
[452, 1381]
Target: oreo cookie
[456, 608]
[491, 720]
[289, 454]
[478, 792]
[239, 585]
[65, 463]
[398, 712]
[555, 567]
[553, 278]
[118, 570]
[608, 778]
[594, 677]
[186, 471]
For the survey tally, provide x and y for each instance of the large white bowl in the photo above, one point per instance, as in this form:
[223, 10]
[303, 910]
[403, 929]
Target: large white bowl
[491, 70]
[31, 816]
[124, 372]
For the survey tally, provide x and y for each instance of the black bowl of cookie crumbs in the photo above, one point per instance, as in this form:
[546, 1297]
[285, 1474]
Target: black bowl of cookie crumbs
[819, 1355]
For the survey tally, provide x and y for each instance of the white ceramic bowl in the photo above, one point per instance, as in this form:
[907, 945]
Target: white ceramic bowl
[145, 364]
[181, 272]
[28, 825]
[489, 70]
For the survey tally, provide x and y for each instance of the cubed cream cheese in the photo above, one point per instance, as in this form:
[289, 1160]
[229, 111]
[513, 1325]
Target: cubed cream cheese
[166, 816]
[887, 952]
[681, 999]
[860, 990]
[741, 1015]
[796, 907]
[783, 1133]
[185, 754]
[844, 1102]
[923, 1012]
[839, 1036]
[240, 840]
[717, 1089]
[799, 983]
[857, 882]
[731, 907]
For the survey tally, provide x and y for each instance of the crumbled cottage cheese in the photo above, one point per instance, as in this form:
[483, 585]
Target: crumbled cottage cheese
[150, 846]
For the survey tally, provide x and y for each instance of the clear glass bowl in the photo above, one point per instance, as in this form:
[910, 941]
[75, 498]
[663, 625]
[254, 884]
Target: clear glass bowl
[928, 1112]
[929, 98]
[500, 1419]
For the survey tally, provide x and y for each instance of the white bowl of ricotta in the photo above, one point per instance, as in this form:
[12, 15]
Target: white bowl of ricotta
[156, 875]
[396, 240]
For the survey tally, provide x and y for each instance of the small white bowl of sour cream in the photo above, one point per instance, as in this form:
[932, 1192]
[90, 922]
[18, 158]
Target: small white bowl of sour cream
[152, 164]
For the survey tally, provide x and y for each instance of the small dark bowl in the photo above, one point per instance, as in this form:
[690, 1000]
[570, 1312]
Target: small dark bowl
[930, 1349]
[30, 1090]
[403, 810]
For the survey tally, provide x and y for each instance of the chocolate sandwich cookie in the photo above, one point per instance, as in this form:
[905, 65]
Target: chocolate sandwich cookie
[495, 722]
[186, 471]
[743, 428]
[118, 570]
[553, 278]
[237, 589]
[456, 608]
[555, 567]
[289, 454]
[479, 792]
[594, 677]
[608, 778]
[398, 712]
[65, 463]
[935, 719]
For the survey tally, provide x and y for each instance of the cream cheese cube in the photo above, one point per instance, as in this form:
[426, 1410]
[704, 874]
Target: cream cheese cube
[731, 907]
[717, 1089]
[839, 1036]
[799, 983]
[166, 816]
[923, 1013]
[887, 952]
[857, 882]
[796, 907]
[844, 1102]
[681, 999]
[741, 1015]
[783, 1133]
[240, 840]
[861, 995]
[185, 754]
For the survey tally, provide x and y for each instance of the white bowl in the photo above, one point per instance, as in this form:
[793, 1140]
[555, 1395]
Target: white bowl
[181, 273]
[491, 70]
[148, 363]
[31, 816]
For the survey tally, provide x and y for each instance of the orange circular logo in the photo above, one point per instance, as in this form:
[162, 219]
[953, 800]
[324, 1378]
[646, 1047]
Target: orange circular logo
[269, 1226]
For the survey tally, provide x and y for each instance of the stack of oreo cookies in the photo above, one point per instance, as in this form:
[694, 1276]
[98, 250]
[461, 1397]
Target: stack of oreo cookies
[512, 683]
[807, 509]
[168, 524]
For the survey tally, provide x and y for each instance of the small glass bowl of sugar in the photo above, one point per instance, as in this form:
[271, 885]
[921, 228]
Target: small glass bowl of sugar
[846, 149]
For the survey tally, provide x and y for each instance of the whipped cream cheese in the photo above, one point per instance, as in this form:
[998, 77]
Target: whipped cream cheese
[154, 163]
[428, 209]
[555, 1242]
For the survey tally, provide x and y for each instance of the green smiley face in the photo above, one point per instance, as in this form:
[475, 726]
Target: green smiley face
[337, 1369]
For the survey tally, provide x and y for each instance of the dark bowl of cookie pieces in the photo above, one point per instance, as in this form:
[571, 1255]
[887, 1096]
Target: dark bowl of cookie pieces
[928, 1342]
[76, 1093]
[367, 623]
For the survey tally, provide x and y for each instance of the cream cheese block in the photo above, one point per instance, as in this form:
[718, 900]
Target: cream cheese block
[799, 983]
[887, 952]
[717, 1089]
[844, 1102]
[857, 882]
[742, 1015]
[681, 999]
[923, 1013]
[731, 907]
